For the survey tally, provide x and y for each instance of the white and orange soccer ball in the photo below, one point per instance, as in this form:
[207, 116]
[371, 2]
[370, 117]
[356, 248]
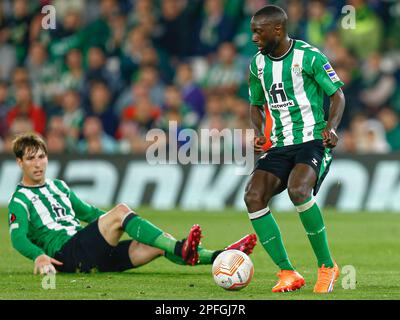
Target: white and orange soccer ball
[232, 270]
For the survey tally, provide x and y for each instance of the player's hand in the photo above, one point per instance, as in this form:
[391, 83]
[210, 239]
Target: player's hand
[330, 138]
[258, 144]
[44, 265]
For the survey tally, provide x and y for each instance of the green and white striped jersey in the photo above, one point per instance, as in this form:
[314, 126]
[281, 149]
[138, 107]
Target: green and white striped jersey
[294, 86]
[43, 218]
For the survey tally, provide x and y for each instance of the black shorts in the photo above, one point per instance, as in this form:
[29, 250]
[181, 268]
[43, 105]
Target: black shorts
[281, 160]
[88, 251]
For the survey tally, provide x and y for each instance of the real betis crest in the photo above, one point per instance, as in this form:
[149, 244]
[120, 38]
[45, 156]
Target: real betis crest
[297, 69]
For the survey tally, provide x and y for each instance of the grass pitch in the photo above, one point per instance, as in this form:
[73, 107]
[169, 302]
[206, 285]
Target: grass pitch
[368, 241]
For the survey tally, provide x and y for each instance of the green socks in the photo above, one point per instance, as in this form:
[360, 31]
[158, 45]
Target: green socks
[270, 237]
[145, 232]
[313, 223]
[205, 256]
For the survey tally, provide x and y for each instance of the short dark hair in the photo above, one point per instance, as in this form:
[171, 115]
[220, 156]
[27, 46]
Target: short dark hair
[274, 13]
[31, 142]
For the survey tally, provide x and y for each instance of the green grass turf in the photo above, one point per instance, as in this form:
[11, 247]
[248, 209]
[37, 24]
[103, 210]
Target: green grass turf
[369, 242]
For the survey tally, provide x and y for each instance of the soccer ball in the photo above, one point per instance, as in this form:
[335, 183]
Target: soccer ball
[232, 270]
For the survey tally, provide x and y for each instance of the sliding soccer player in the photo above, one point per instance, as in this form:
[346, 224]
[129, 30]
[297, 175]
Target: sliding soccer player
[45, 214]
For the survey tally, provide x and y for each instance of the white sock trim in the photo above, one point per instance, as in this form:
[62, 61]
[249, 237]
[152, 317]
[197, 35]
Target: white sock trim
[124, 217]
[258, 214]
[269, 240]
[305, 206]
[315, 233]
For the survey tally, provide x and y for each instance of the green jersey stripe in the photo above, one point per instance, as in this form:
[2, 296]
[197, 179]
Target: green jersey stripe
[64, 185]
[284, 114]
[24, 206]
[66, 203]
[260, 62]
[301, 97]
[252, 72]
[63, 198]
[296, 119]
[22, 197]
[39, 207]
[52, 204]
[65, 220]
[44, 213]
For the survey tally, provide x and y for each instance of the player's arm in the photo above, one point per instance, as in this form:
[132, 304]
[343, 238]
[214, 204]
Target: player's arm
[83, 210]
[328, 80]
[257, 115]
[336, 109]
[19, 226]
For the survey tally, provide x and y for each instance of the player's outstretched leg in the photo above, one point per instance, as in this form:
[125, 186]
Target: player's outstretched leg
[301, 181]
[328, 270]
[271, 239]
[262, 186]
[206, 256]
[122, 218]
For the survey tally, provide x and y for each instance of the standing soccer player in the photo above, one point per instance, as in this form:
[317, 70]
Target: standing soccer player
[45, 214]
[292, 77]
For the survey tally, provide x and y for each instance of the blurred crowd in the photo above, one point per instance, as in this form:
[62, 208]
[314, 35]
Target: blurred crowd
[112, 70]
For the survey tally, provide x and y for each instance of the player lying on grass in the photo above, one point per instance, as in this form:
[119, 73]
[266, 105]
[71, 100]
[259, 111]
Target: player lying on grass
[291, 77]
[45, 216]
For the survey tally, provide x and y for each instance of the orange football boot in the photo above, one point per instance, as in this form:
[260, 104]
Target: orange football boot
[289, 280]
[326, 279]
